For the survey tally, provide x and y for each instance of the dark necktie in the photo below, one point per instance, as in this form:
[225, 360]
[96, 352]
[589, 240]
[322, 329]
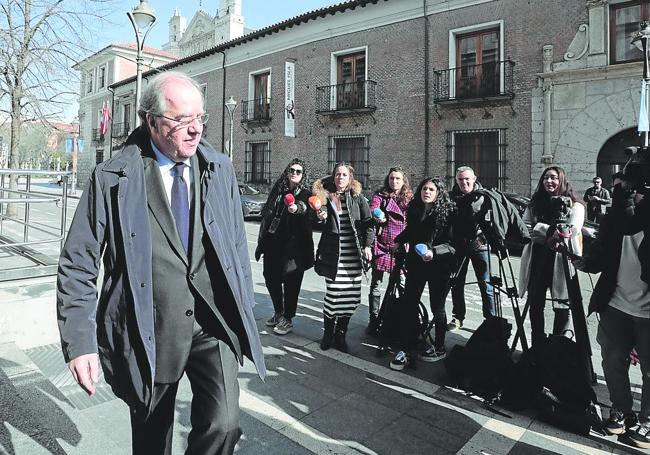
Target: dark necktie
[180, 204]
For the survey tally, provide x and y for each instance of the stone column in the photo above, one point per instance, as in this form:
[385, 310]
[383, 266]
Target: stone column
[547, 87]
[597, 33]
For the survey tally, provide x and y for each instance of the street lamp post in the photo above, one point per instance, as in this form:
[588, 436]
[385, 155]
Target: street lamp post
[231, 105]
[143, 18]
[640, 40]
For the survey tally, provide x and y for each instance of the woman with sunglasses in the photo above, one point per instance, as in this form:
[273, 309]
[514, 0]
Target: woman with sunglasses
[285, 240]
[388, 208]
[344, 244]
[430, 260]
[541, 265]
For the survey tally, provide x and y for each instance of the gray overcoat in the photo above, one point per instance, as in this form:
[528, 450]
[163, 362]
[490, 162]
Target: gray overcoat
[111, 224]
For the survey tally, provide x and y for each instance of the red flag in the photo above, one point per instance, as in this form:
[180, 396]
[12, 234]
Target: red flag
[105, 118]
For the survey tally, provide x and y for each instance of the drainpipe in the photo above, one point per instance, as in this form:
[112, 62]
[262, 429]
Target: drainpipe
[223, 100]
[110, 139]
[427, 168]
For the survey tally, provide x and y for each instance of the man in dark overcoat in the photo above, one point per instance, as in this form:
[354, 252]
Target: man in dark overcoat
[164, 219]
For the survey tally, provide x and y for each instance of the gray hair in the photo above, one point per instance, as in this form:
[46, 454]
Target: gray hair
[152, 100]
[462, 169]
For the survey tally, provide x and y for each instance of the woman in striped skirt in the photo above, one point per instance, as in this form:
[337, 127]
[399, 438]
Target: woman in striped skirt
[344, 247]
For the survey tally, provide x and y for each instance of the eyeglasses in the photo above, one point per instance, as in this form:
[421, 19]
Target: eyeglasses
[186, 120]
[551, 177]
[293, 170]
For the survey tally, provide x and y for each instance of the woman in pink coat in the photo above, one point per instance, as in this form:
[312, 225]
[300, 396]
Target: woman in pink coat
[391, 201]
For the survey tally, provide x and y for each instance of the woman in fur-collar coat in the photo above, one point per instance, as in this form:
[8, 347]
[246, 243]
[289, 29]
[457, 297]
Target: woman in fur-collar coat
[343, 249]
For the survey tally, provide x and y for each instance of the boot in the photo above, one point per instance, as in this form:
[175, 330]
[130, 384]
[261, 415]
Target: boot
[328, 334]
[339, 335]
[373, 316]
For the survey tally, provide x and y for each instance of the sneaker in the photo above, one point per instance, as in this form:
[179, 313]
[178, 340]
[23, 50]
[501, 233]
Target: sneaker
[273, 320]
[283, 327]
[455, 324]
[400, 361]
[637, 436]
[433, 355]
[618, 422]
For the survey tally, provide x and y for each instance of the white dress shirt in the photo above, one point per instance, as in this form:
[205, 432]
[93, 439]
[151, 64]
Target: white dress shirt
[166, 165]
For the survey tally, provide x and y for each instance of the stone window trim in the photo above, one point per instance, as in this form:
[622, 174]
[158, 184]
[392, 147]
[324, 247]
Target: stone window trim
[453, 50]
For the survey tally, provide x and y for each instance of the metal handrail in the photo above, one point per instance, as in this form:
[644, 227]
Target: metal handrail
[43, 265]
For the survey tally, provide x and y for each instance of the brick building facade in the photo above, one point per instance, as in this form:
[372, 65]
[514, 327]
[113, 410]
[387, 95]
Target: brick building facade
[429, 85]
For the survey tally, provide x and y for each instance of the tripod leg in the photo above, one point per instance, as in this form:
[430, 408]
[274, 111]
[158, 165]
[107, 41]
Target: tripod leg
[520, 334]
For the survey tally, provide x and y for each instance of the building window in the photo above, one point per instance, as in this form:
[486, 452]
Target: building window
[482, 150]
[258, 162]
[101, 77]
[477, 60]
[624, 21]
[258, 105]
[89, 81]
[350, 78]
[99, 156]
[353, 149]
[204, 91]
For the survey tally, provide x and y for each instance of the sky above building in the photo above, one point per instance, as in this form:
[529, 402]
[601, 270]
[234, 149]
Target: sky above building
[257, 14]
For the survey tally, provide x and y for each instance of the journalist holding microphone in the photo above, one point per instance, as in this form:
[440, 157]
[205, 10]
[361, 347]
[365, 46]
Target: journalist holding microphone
[388, 208]
[285, 240]
[429, 261]
[344, 244]
[541, 265]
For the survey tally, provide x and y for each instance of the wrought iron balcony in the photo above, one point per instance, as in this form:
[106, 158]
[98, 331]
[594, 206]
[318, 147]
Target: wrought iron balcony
[256, 111]
[474, 82]
[96, 136]
[346, 98]
[120, 130]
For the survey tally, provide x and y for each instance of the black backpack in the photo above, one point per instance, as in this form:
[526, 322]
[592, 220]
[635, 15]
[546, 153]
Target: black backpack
[484, 363]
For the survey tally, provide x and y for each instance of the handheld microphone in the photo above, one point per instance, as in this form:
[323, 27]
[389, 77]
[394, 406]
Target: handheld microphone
[421, 249]
[315, 203]
[378, 214]
[289, 199]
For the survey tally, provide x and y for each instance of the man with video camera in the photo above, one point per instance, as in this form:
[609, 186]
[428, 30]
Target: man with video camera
[472, 245]
[622, 299]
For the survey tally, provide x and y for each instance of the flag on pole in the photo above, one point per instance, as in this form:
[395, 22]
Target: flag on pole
[644, 125]
[105, 118]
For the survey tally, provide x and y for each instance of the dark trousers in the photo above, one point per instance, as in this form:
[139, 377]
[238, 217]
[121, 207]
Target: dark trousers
[618, 333]
[212, 371]
[541, 279]
[481, 264]
[416, 279]
[284, 289]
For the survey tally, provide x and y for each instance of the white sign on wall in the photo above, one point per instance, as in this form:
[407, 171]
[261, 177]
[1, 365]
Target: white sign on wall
[289, 100]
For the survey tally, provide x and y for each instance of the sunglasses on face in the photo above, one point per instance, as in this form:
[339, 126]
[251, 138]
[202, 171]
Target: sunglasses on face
[293, 170]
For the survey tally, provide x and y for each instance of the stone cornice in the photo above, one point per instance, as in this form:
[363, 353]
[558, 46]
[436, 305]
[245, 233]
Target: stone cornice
[622, 71]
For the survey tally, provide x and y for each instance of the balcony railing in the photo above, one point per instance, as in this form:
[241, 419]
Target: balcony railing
[475, 82]
[120, 130]
[350, 97]
[256, 111]
[97, 137]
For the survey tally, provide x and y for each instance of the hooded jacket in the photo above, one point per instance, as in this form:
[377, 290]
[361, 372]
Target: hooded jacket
[329, 247]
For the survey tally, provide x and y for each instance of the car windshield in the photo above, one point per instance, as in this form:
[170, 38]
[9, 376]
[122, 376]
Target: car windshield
[245, 189]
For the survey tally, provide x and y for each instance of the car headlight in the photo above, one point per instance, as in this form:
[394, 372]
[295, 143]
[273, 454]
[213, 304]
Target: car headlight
[251, 205]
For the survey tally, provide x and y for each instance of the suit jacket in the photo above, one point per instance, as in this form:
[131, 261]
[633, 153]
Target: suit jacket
[112, 225]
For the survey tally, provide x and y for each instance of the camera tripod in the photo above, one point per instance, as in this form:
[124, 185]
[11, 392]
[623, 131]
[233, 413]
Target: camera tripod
[576, 308]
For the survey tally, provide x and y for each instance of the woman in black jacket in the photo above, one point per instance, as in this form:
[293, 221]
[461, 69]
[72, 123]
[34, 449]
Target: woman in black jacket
[430, 260]
[285, 240]
[344, 245]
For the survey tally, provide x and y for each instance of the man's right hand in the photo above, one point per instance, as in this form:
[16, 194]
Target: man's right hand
[85, 370]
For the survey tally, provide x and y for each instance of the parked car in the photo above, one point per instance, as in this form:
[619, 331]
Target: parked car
[252, 201]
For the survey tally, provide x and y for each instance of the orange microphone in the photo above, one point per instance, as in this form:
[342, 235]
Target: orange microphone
[315, 203]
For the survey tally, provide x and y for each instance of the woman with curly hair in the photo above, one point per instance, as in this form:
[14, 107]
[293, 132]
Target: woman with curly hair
[429, 260]
[285, 240]
[344, 244]
[541, 266]
[391, 200]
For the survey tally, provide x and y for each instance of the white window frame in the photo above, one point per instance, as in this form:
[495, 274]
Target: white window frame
[251, 88]
[453, 35]
[99, 72]
[334, 56]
